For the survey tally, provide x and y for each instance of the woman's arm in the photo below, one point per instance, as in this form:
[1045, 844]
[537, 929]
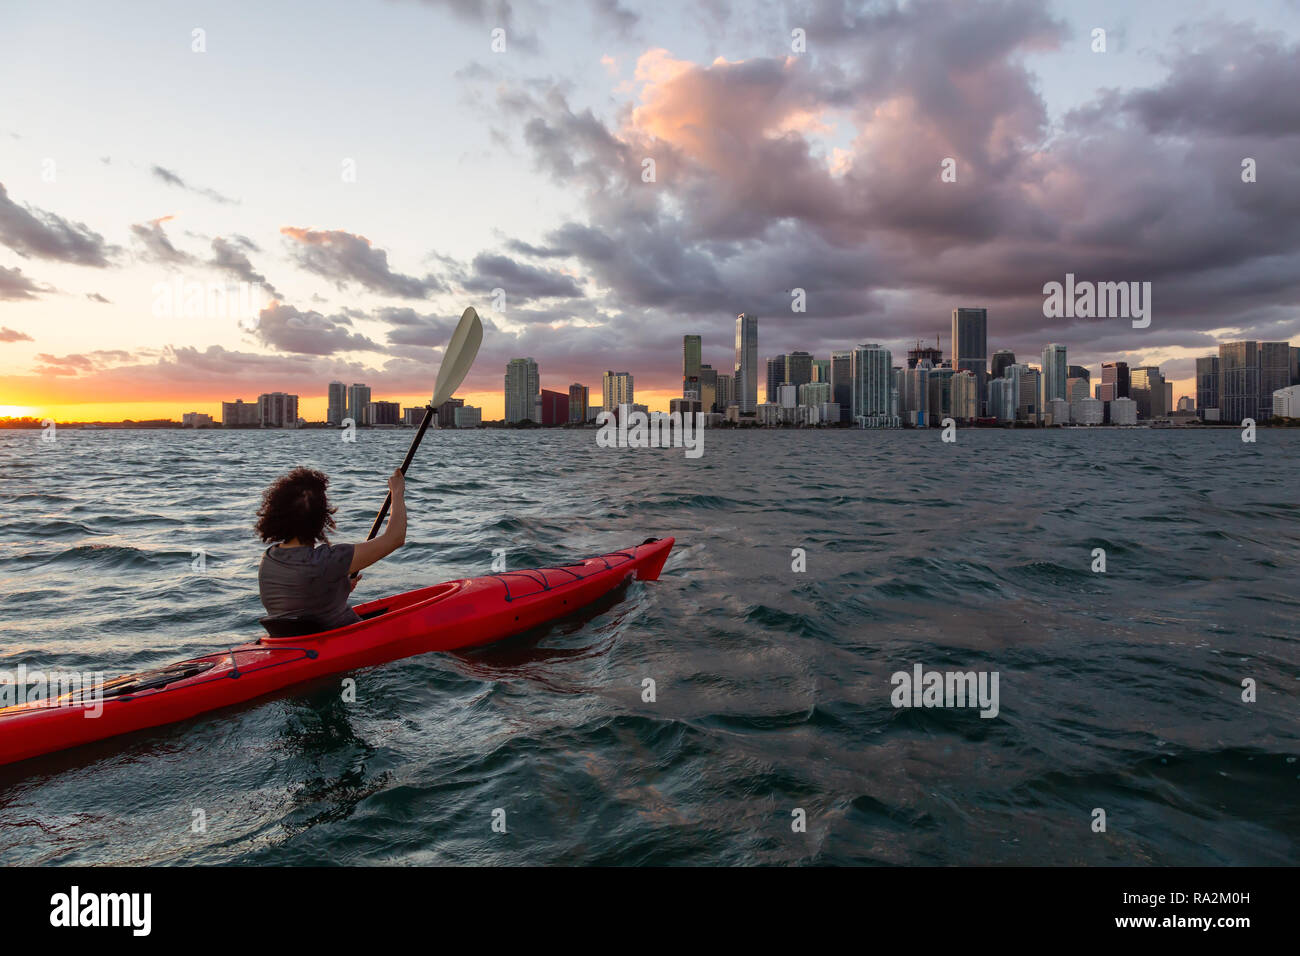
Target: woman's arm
[368, 552]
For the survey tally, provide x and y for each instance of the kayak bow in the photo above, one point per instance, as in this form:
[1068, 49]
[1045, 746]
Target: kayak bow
[445, 617]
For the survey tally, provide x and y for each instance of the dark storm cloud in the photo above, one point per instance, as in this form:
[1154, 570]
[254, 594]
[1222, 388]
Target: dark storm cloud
[343, 257]
[287, 329]
[520, 281]
[172, 179]
[33, 232]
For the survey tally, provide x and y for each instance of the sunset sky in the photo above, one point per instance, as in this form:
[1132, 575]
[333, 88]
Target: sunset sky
[129, 160]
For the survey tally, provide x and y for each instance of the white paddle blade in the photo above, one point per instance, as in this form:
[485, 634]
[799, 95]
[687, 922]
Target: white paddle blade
[458, 356]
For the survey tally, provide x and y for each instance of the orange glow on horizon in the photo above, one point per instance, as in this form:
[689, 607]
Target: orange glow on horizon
[310, 408]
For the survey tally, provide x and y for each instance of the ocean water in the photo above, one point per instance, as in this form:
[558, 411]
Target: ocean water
[1120, 691]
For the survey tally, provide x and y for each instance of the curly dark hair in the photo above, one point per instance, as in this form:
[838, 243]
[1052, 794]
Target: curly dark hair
[295, 507]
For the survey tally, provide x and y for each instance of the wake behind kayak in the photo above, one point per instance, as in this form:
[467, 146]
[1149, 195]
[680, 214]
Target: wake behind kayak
[451, 616]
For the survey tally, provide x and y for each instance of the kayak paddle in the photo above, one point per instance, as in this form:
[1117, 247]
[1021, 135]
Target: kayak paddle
[457, 358]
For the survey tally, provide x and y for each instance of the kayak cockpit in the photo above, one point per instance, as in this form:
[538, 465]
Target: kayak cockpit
[285, 627]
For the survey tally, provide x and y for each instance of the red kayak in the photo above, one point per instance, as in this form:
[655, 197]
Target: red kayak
[445, 617]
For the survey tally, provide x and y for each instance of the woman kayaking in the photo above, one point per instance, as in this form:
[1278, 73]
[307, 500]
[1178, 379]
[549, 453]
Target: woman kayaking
[301, 580]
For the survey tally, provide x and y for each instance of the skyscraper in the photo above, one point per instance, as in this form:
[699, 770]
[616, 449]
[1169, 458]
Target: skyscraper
[842, 383]
[1274, 373]
[1114, 381]
[579, 398]
[798, 368]
[746, 363]
[1055, 372]
[774, 368]
[358, 399]
[726, 392]
[691, 348]
[617, 390]
[1238, 381]
[277, 410]
[708, 389]
[923, 351]
[1147, 388]
[1207, 388]
[821, 370]
[337, 404]
[1078, 371]
[555, 407]
[1002, 360]
[970, 345]
[871, 370]
[521, 390]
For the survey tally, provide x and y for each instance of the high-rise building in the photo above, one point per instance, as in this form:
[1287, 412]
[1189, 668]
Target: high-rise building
[522, 386]
[239, 412]
[616, 390]
[1029, 403]
[746, 368]
[842, 383]
[1114, 381]
[922, 351]
[1123, 411]
[814, 393]
[774, 368]
[447, 412]
[1075, 388]
[1186, 403]
[1002, 360]
[1077, 371]
[970, 344]
[358, 399]
[1286, 402]
[277, 410]
[1274, 373]
[1207, 388]
[821, 370]
[965, 396]
[1055, 372]
[726, 392]
[871, 371]
[555, 407]
[383, 413]
[469, 416]
[1295, 365]
[1238, 381]
[798, 368]
[691, 348]
[579, 400]
[708, 388]
[337, 404]
[939, 389]
[1147, 388]
[1088, 411]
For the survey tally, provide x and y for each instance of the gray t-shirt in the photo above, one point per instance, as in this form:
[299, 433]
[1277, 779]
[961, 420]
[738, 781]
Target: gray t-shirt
[308, 582]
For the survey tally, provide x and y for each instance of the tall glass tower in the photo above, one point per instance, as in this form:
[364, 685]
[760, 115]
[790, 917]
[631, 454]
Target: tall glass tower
[746, 384]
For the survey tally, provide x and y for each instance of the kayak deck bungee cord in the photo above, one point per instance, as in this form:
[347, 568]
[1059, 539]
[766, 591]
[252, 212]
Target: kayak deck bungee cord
[444, 617]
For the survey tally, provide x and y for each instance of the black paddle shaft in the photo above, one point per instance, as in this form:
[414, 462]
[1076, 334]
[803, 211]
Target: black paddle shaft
[410, 455]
